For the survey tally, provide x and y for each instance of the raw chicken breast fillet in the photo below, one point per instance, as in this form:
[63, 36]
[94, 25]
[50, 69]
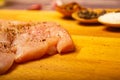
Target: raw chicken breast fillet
[43, 38]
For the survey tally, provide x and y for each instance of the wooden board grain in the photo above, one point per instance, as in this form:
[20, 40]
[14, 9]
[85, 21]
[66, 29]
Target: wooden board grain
[80, 64]
[97, 55]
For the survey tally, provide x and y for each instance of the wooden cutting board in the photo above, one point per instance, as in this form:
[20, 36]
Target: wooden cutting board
[97, 55]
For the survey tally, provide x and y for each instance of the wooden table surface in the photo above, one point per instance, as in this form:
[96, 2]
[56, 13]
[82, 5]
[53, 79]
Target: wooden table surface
[97, 55]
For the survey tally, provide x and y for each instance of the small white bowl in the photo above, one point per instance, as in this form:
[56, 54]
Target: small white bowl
[110, 19]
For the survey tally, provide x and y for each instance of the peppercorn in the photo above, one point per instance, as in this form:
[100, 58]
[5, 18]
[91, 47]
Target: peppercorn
[90, 14]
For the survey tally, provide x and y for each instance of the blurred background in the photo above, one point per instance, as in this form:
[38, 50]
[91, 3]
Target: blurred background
[49, 4]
